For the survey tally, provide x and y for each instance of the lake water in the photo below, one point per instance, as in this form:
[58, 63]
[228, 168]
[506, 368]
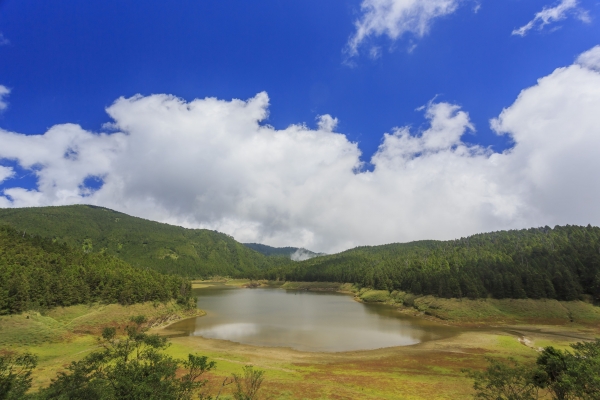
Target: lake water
[306, 321]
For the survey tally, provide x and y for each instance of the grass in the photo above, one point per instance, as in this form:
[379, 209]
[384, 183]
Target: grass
[509, 311]
[66, 334]
[429, 370]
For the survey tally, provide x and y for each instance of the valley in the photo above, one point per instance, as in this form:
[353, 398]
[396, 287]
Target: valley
[501, 295]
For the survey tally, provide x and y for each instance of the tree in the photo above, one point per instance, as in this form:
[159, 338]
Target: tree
[569, 375]
[131, 367]
[557, 374]
[247, 386]
[504, 381]
[15, 374]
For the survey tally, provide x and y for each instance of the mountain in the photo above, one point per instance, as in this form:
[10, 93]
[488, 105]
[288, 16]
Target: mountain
[37, 272]
[560, 263]
[293, 253]
[197, 253]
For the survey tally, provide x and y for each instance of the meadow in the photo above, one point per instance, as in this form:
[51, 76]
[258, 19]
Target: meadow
[431, 370]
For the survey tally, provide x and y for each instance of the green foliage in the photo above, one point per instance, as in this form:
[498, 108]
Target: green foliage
[248, 384]
[130, 367]
[271, 251]
[561, 263]
[197, 253]
[38, 273]
[504, 381]
[15, 375]
[560, 375]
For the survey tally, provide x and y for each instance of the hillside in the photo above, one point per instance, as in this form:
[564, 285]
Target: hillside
[38, 273]
[561, 263]
[196, 253]
[293, 253]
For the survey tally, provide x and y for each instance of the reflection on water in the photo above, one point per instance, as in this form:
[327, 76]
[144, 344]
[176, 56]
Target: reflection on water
[308, 321]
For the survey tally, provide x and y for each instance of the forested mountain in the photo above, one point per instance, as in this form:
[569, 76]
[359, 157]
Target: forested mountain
[197, 253]
[560, 263]
[36, 272]
[294, 253]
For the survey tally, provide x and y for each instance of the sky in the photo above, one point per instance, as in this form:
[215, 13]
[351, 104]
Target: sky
[324, 125]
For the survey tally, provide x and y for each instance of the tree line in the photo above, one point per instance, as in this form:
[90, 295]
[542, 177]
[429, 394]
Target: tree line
[555, 263]
[39, 273]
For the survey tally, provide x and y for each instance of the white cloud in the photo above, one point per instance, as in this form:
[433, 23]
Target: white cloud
[549, 15]
[590, 59]
[5, 173]
[3, 40]
[4, 92]
[394, 18]
[211, 163]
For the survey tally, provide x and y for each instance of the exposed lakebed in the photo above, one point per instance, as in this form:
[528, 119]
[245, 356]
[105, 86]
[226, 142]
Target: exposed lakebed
[302, 320]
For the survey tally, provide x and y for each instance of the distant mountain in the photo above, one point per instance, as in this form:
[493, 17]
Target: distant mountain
[197, 253]
[293, 253]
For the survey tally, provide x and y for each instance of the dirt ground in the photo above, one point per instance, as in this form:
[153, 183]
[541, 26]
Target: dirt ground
[429, 370]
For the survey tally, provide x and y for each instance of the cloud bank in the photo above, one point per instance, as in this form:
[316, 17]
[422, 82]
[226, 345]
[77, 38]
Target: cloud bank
[549, 15]
[394, 18]
[213, 163]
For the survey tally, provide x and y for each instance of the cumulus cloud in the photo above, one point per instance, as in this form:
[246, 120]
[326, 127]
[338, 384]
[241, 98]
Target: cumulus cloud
[590, 59]
[549, 15]
[4, 92]
[5, 173]
[394, 18]
[214, 163]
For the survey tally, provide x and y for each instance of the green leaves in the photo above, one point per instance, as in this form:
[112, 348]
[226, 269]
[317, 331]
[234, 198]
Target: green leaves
[15, 374]
[560, 375]
[130, 367]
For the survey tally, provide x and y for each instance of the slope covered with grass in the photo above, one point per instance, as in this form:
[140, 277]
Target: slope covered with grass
[197, 253]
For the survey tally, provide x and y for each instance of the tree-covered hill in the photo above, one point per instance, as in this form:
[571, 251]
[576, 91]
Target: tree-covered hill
[196, 253]
[36, 272]
[561, 263]
[294, 253]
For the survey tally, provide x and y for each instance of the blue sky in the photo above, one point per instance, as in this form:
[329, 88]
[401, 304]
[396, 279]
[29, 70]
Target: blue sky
[66, 62]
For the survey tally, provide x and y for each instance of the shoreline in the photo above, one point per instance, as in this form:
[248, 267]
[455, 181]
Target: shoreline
[465, 313]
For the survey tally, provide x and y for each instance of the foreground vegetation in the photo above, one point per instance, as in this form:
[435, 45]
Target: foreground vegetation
[198, 253]
[561, 263]
[557, 374]
[431, 369]
[133, 366]
[37, 273]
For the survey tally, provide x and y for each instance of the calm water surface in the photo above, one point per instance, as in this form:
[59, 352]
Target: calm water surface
[307, 321]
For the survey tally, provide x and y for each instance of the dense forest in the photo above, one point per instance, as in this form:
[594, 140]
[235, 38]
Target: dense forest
[561, 263]
[281, 251]
[557, 263]
[40, 273]
[270, 250]
[195, 253]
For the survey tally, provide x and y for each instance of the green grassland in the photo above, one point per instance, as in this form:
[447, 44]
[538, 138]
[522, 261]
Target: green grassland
[198, 253]
[429, 370]
[64, 334]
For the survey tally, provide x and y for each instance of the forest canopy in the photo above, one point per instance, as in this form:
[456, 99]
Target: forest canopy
[39, 273]
[194, 253]
[560, 263]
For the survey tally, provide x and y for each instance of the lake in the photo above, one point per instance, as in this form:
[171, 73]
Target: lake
[306, 321]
